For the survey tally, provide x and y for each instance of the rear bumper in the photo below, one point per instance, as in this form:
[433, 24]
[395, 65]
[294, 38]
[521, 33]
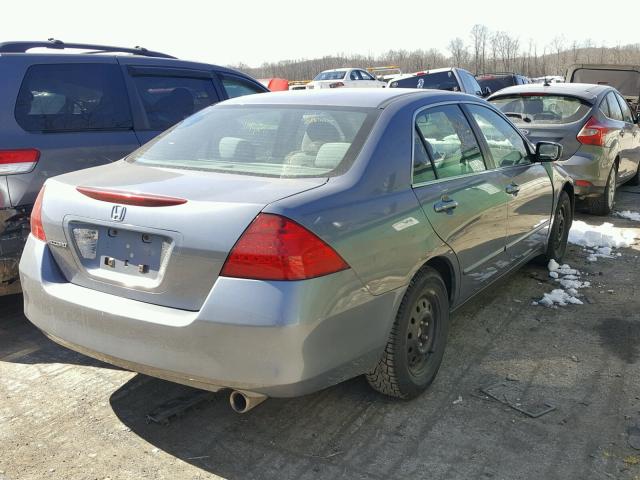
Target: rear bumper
[14, 230]
[590, 166]
[280, 339]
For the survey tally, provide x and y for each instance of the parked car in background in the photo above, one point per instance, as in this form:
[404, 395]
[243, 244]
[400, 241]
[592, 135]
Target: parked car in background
[596, 127]
[229, 252]
[548, 79]
[345, 78]
[451, 79]
[497, 81]
[60, 113]
[385, 74]
[624, 78]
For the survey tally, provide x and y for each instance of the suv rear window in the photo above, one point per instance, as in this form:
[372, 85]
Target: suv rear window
[496, 82]
[269, 141]
[72, 97]
[545, 109]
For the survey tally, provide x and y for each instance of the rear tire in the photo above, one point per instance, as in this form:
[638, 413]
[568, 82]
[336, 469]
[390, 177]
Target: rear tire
[417, 341]
[603, 205]
[559, 235]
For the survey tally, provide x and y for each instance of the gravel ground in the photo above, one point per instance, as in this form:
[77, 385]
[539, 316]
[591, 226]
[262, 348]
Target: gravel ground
[64, 416]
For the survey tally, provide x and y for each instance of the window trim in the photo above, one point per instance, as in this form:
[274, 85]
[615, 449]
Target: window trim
[461, 105]
[606, 97]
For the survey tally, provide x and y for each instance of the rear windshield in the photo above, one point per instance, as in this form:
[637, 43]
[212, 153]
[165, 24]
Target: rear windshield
[331, 75]
[496, 83]
[438, 81]
[269, 141]
[544, 109]
[627, 82]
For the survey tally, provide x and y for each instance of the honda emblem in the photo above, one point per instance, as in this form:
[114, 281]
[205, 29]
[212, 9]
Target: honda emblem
[118, 212]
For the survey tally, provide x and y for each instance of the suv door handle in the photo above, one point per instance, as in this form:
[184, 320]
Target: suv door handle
[446, 204]
[512, 188]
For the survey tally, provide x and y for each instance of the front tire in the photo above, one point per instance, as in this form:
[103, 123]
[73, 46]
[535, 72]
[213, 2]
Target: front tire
[603, 205]
[417, 341]
[562, 220]
[635, 180]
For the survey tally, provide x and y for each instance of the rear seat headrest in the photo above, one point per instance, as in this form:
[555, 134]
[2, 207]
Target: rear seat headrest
[331, 154]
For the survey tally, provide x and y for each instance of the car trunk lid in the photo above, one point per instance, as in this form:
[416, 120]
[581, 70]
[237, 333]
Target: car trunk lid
[565, 134]
[166, 243]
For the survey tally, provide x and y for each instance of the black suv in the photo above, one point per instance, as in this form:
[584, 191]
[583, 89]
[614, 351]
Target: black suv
[60, 113]
[452, 79]
[498, 81]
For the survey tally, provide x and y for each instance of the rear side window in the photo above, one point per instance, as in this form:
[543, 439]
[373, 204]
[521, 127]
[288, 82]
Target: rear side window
[449, 141]
[615, 112]
[604, 107]
[73, 97]
[237, 87]
[626, 111]
[543, 109]
[168, 100]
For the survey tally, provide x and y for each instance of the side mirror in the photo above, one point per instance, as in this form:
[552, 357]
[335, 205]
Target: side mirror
[486, 91]
[548, 151]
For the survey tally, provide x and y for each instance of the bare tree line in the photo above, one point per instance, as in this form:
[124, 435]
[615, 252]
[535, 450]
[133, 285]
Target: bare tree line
[483, 52]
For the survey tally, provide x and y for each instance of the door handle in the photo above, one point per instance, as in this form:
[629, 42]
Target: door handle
[446, 204]
[512, 189]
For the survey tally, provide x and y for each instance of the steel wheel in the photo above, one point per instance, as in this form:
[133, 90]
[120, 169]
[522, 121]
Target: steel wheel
[420, 335]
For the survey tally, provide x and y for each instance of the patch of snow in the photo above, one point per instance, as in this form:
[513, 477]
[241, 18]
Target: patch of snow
[553, 274]
[605, 235]
[569, 280]
[558, 297]
[553, 265]
[628, 214]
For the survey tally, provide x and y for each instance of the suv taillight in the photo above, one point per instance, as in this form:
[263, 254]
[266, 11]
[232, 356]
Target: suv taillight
[18, 161]
[277, 248]
[593, 133]
[36, 218]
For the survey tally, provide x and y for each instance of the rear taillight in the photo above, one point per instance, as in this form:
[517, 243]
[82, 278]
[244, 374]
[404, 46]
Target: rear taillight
[276, 248]
[36, 218]
[18, 161]
[336, 85]
[593, 133]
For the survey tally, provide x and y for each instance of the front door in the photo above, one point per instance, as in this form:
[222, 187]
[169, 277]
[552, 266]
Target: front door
[528, 185]
[463, 200]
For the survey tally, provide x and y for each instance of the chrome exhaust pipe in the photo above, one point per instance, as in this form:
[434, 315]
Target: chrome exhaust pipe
[242, 401]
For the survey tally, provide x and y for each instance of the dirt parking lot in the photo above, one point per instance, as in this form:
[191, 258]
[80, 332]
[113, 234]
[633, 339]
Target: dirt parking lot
[65, 416]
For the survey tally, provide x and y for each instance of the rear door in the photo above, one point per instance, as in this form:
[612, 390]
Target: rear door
[164, 96]
[624, 136]
[464, 201]
[75, 111]
[631, 140]
[528, 185]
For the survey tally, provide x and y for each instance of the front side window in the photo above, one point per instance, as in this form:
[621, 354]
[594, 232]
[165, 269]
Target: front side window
[168, 100]
[366, 75]
[270, 141]
[449, 142]
[505, 144]
[542, 109]
[354, 75]
[73, 97]
[237, 87]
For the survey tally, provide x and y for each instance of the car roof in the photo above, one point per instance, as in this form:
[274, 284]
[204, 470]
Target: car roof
[342, 69]
[585, 91]
[345, 97]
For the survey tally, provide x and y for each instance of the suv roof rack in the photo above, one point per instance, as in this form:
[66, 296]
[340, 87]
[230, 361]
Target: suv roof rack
[22, 47]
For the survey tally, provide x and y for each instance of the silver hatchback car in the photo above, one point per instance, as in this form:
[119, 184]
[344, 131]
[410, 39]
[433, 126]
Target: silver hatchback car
[277, 244]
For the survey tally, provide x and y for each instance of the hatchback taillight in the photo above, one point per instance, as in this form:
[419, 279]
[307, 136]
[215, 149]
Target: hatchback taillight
[18, 161]
[277, 248]
[36, 218]
[593, 133]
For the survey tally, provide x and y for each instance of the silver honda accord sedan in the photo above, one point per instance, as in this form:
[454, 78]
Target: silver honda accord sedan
[277, 244]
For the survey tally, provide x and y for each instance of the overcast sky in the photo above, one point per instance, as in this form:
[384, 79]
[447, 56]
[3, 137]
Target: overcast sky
[253, 32]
